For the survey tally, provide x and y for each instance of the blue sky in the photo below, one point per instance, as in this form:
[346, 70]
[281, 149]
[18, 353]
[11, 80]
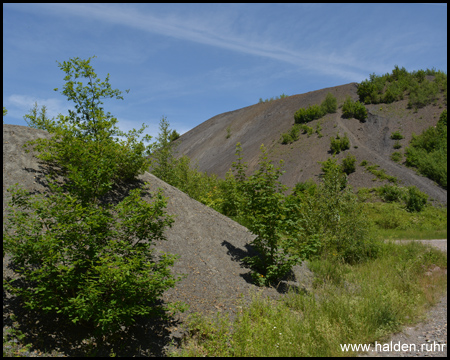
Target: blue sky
[190, 62]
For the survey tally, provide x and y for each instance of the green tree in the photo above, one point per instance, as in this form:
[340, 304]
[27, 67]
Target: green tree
[268, 217]
[40, 120]
[88, 134]
[233, 188]
[164, 161]
[174, 135]
[333, 223]
[80, 256]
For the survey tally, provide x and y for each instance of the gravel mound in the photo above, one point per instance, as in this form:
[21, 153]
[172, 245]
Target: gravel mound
[210, 245]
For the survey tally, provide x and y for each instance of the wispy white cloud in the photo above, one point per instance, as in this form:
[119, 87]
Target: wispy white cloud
[215, 30]
[20, 105]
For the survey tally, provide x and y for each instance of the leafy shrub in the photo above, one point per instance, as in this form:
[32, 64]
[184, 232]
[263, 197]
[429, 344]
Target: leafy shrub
[428, 152]
[396, 135]
[415, 199]
[291, 136]
[313, 112]
[334, 217]
[397, 145]
[422, 94]
[94, 265]
[348, 164]
[347, 108]
[329, 105]
[329, 165]
[352, 109]
[396, 156]
[392, 87]
[318, 130]
[360, 111]
[286, 138]
[307, 129]
[339, 144]
[308, 186]
[390, 193]
[309, 114]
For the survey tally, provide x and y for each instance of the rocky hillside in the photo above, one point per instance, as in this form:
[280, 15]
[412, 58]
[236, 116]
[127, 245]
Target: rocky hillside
[212, 144]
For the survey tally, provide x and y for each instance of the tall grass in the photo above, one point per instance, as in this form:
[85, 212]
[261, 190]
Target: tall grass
[357, 304]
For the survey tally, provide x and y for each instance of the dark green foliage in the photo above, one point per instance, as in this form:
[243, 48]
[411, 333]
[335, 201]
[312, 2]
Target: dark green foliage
[93, 264]
[88, 133]
[348, 164]
[286, 138]
[309, 114]
[333, 223]
[396, 156]
[396, 135]
[391, 193]
[266, 213]
[307, 129]
[282, 96]
[393, 87]
[174, 135]
[415, 199]
[397, 145]
[442, 119]
[79, 256]
[233, 187]
[422, 94]
[359, 111]
[355, 110]
[329, 105]
[291, 136]
[428, 152]
[339, 144]
[313, 112]
[308, 186]
[163, 160]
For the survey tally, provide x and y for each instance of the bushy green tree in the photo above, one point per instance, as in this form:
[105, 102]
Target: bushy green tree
[93, 264]
[268, 217]
[88, 133]
[233, 188]
[90, 261]
[333, 223]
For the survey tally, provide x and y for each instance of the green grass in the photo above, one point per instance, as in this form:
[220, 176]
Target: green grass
[362, 304]
[392, 221]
